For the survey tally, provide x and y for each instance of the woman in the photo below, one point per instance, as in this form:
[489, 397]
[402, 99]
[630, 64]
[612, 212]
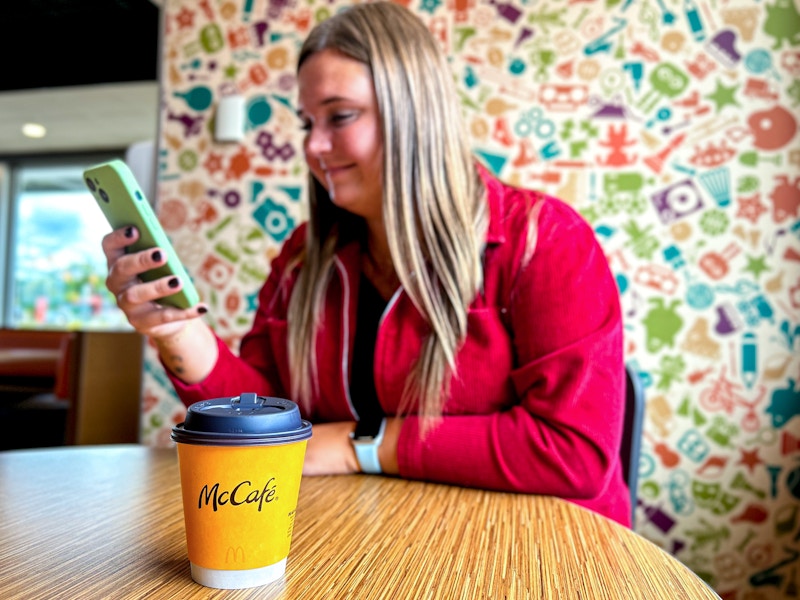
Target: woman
[431, 321]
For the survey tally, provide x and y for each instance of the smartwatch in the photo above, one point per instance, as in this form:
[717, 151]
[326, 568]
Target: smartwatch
[366, 438]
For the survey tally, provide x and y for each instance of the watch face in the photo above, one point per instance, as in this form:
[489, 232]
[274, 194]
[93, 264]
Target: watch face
[367, 428]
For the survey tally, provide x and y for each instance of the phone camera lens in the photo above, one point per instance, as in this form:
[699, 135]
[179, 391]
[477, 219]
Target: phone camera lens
[104, 195]
[90, 184]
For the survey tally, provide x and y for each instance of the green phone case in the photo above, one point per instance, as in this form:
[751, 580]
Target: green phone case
[119, 197]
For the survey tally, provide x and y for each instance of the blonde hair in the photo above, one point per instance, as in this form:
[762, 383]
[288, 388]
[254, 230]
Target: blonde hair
[434, 206]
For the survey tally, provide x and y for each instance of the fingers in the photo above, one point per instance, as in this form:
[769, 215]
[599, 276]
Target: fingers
[114, 243]
[140, 293]
[138, 302]
[161, 321]
[151, 291]
[136, 298]
[131, 292]
[123, 265]
[126, 269]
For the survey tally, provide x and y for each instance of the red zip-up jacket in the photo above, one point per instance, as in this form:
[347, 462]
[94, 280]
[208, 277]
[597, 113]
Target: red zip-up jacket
[537, 402]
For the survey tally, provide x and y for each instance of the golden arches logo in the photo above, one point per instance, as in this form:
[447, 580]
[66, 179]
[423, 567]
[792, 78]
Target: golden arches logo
[235, 555]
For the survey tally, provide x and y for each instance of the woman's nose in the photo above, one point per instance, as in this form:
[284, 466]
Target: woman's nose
[318, 141]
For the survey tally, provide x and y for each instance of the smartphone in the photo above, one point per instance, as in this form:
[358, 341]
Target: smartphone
[120, 198]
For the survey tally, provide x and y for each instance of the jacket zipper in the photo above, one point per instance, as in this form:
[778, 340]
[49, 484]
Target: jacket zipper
[346, 328]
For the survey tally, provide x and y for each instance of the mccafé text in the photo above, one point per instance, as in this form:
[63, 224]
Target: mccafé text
[242, 493]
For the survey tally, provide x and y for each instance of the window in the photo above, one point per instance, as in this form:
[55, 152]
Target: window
[55, 268]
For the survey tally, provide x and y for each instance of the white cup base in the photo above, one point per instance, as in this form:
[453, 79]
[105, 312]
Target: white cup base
[234, 580]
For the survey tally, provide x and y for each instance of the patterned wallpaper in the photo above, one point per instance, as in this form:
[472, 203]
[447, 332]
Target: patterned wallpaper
[670, 125]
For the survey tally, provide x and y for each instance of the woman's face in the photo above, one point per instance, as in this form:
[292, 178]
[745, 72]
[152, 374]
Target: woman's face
[343, 144]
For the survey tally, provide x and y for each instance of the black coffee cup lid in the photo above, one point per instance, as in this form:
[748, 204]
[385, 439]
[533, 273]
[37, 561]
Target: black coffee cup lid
[244, 420]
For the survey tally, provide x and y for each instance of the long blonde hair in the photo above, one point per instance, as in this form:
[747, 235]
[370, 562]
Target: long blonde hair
[434, 206]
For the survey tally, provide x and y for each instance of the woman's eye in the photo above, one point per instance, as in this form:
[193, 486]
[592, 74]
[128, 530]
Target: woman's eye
[342, 118]
[335, 120]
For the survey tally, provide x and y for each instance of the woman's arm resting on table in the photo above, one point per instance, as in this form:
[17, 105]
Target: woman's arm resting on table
[330, 452]
[563, 436]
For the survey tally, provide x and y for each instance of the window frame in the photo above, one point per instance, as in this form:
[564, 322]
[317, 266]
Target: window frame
[10, 169]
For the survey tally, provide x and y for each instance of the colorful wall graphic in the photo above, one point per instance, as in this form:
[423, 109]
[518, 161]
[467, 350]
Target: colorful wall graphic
[670, 125]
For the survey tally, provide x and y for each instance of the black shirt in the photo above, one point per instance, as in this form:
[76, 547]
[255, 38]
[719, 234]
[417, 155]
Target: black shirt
[362, 376]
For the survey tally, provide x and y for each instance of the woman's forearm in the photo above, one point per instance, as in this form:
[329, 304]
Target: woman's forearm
[191, 353]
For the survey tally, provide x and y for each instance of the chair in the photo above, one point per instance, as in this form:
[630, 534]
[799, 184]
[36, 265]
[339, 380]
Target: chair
[33, 412]
[632, 433]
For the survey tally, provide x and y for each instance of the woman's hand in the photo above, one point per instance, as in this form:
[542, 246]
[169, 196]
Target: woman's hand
[186, 344]
[137, 299]
[330, 452]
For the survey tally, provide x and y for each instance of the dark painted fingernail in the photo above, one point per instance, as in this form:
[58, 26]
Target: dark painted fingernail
[129, 232]
[202, 310]
[156, 256]
[173, 283]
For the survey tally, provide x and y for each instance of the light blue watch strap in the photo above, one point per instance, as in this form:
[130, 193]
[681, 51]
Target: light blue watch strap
[367, 451]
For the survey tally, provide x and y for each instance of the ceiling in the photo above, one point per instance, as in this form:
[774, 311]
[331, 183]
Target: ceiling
[85, 69]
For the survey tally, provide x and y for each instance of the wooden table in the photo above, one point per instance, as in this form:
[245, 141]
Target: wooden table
[107, 522]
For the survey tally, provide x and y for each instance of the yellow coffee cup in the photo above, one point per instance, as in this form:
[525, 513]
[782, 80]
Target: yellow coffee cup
[241, 461]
